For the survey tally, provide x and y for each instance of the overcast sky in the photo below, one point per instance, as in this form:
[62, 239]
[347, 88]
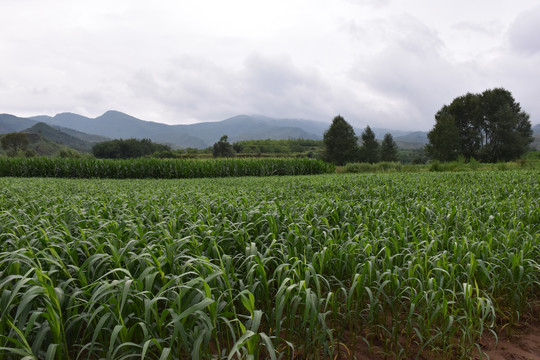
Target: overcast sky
[386, 63]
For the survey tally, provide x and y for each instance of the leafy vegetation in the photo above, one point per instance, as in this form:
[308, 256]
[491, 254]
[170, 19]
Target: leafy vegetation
[278, 267]
[12, 143]
[389, 149]
[223, 148]
[370, 149]
[490, 127]
[73, 167]
[126, 149]
[289, 147]
[340, 142]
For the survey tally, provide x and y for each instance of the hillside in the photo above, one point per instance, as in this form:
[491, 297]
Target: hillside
[10, 123]
[114, 124]
[59, 137]
[39, 145]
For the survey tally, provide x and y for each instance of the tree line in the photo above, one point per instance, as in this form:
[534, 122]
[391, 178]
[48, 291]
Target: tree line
[487, 127]
[341, 145]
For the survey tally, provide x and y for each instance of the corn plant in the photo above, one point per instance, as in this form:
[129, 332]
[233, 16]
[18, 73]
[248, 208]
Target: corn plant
[274, 267]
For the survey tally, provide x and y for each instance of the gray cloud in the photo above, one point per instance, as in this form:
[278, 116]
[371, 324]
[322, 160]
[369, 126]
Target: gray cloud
[524, 32]
[179, 62]
[412, 72]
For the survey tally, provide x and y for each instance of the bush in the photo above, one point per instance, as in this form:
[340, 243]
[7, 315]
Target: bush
[436, 166]
[502, 166]
[474, 164]
[359, 168]
[386, 166]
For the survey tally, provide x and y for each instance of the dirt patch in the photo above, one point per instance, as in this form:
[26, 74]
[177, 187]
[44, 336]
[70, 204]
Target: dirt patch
[522, 342]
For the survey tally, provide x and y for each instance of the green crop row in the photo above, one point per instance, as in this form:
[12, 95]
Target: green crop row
[158, 168]
[280, 267]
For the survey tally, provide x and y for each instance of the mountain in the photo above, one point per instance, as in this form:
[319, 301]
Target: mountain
[117, 125]
[81, 135]
[59, 137]
[419, 137]
[243, 127]
[10, 123]
[112, 124]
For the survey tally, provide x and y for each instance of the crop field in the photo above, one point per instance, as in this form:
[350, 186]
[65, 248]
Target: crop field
[144, 168]
[281, 267]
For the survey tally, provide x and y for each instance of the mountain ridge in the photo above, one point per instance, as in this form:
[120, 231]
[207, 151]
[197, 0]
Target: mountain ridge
[115, 124]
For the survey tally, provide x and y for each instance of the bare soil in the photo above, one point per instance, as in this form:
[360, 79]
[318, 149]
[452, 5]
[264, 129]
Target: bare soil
[522, 342]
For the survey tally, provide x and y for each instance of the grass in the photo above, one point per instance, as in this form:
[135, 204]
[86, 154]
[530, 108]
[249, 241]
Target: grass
[278, 267]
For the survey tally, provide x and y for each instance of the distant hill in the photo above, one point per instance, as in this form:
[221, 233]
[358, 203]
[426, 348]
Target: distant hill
[81, 135]
[10, 123]
[114, 124]
[59, 137]
[417, 137]
[117, 125]
[536, 134]
[39, 145]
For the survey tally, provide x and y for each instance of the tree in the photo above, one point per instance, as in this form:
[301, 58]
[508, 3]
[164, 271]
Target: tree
[223, 148]
[388, 148]
[444, 139]
[489, 126]
[369, 151]
[340, 143]
[12, 143]
[124, 149]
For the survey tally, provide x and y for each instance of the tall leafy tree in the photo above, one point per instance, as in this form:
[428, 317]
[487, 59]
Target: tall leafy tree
[444, 139]
[489, 126]
[12, 143]
[340, 142]
[389, 148]
[369, 151]
[223, 148]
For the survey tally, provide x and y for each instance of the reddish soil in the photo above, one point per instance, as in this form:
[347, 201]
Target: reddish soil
[522, 343]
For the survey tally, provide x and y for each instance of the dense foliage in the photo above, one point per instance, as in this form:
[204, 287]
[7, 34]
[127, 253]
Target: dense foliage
[277, 147]
[158, 168]
[340, 142]
[12, 143]
[389, 149]
[489, 127]
[125, 149]
[265, 267]
[223, 148]
[370, 149]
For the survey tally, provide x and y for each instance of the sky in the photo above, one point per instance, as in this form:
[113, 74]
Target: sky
[384, 63]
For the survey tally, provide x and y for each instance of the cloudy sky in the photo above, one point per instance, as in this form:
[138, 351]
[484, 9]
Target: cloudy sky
[386, 63]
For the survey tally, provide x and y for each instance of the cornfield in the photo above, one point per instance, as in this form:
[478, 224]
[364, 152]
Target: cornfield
[280, 267]
[141, 168]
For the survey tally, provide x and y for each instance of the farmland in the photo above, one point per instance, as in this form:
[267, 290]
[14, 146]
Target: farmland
[280, 267]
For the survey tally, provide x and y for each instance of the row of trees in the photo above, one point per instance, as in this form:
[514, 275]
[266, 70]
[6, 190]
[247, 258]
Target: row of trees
[129, 148]
[489, 126]
[289, 147]
[341, 145]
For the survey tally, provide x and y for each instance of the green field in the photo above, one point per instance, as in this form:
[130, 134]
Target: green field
[280, 267]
